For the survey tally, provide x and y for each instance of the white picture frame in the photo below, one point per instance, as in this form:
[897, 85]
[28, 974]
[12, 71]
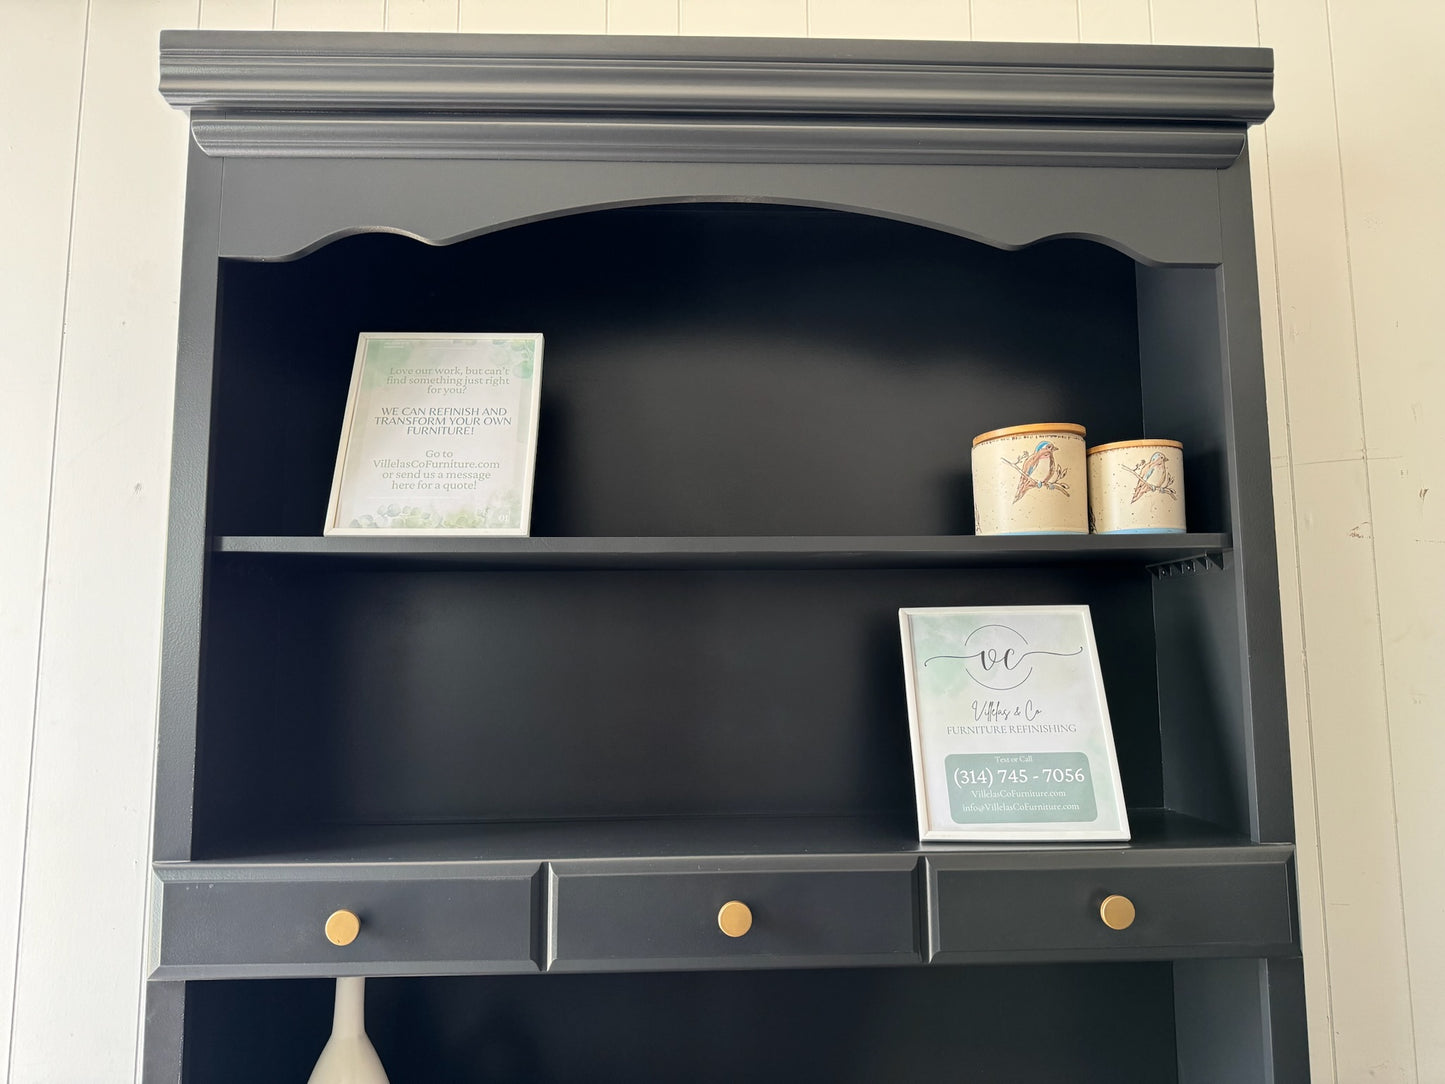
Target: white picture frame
[439, 436]
[1006, 709]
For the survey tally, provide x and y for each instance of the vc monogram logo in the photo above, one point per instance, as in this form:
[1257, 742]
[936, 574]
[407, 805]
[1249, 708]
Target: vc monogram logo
[999, 657]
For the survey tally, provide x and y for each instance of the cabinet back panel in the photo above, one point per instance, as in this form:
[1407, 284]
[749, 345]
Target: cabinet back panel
[709, 369]
[1113, 1024]
[407, 696]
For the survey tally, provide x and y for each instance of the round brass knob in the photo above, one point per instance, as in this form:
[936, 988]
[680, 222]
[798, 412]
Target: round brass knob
[1117, 912]
[342, 927]
[735, 918]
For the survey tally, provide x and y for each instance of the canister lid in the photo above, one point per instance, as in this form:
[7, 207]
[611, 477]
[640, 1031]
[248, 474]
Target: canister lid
[1021, 430]
[1146, 443]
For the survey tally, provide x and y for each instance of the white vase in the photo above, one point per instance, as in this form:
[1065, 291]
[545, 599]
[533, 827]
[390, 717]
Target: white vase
[349, 1057]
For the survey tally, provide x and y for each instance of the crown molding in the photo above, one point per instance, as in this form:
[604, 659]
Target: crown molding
[263, 94]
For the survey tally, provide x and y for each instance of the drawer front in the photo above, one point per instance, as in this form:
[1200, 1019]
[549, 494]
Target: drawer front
[1243, 908]
[656, 920]
[233, 925]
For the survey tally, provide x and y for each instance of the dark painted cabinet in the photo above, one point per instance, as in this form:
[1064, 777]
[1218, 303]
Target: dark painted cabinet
[260, 920]
[1223, 903]
[783, 283]
[810, 914]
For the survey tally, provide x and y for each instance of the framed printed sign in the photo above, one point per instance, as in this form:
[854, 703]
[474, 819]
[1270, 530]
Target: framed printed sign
[1011, 735]
[440, 436]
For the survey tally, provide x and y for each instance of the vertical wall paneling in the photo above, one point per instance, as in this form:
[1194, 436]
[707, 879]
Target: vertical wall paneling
[1392, 159]
[1409, 538]
[1219, 22]
[1120, 21]
[1314, 290]
[1311, 904]
[1392, 215]
[237, 14]
[329, 14]
[422, 15]
[921, 20]
[79, 960]
[1358, 856]
[642, 16]
[41, 55]
[534, 16]
[1236, 22]
[744, 18]
[1307, 844]
[1025, 20]
[1360, 871]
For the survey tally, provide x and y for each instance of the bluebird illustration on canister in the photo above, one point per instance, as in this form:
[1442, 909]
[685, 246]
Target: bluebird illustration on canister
[1037, 470]
[1153, 477]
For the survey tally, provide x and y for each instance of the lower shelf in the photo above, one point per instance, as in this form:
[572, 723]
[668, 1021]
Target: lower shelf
[1114, 1024]
[667, 837]
[626, 896]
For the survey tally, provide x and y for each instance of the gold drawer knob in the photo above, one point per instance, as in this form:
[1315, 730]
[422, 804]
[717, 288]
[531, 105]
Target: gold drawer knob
[1117, 912]
[342, 927]
[735, 918]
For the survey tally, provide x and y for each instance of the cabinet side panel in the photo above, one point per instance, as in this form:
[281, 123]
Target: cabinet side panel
[1183, 390]
[165, 1023]
[1206, 758]
[1219, 1021]
[1289, 1047]
[1202, 735]
[1260, 647]
[1241, 1020]
[186, 541]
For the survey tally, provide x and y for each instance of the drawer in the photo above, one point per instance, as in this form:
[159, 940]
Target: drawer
[1019, 907]
[218, 920]
[651, 919]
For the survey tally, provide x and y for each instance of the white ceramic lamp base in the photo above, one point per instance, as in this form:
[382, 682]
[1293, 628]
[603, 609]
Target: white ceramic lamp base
[349, 1057]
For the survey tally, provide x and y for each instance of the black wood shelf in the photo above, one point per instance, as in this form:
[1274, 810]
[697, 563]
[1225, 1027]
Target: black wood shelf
[708, 552]
[735, 836]
[641, 895]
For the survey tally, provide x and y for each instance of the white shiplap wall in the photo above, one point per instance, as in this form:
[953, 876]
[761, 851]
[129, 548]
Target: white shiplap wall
[1347, 211]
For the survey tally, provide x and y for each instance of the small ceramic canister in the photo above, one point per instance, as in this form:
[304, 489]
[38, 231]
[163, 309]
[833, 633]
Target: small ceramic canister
[1030, 479]
[1136, 487]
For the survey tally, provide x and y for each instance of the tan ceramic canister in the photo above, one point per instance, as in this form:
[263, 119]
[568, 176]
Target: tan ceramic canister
[1030, 479]
[1136, 487]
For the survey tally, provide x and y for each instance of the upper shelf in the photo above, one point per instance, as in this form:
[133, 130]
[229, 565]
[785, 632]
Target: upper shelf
[956, 551]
